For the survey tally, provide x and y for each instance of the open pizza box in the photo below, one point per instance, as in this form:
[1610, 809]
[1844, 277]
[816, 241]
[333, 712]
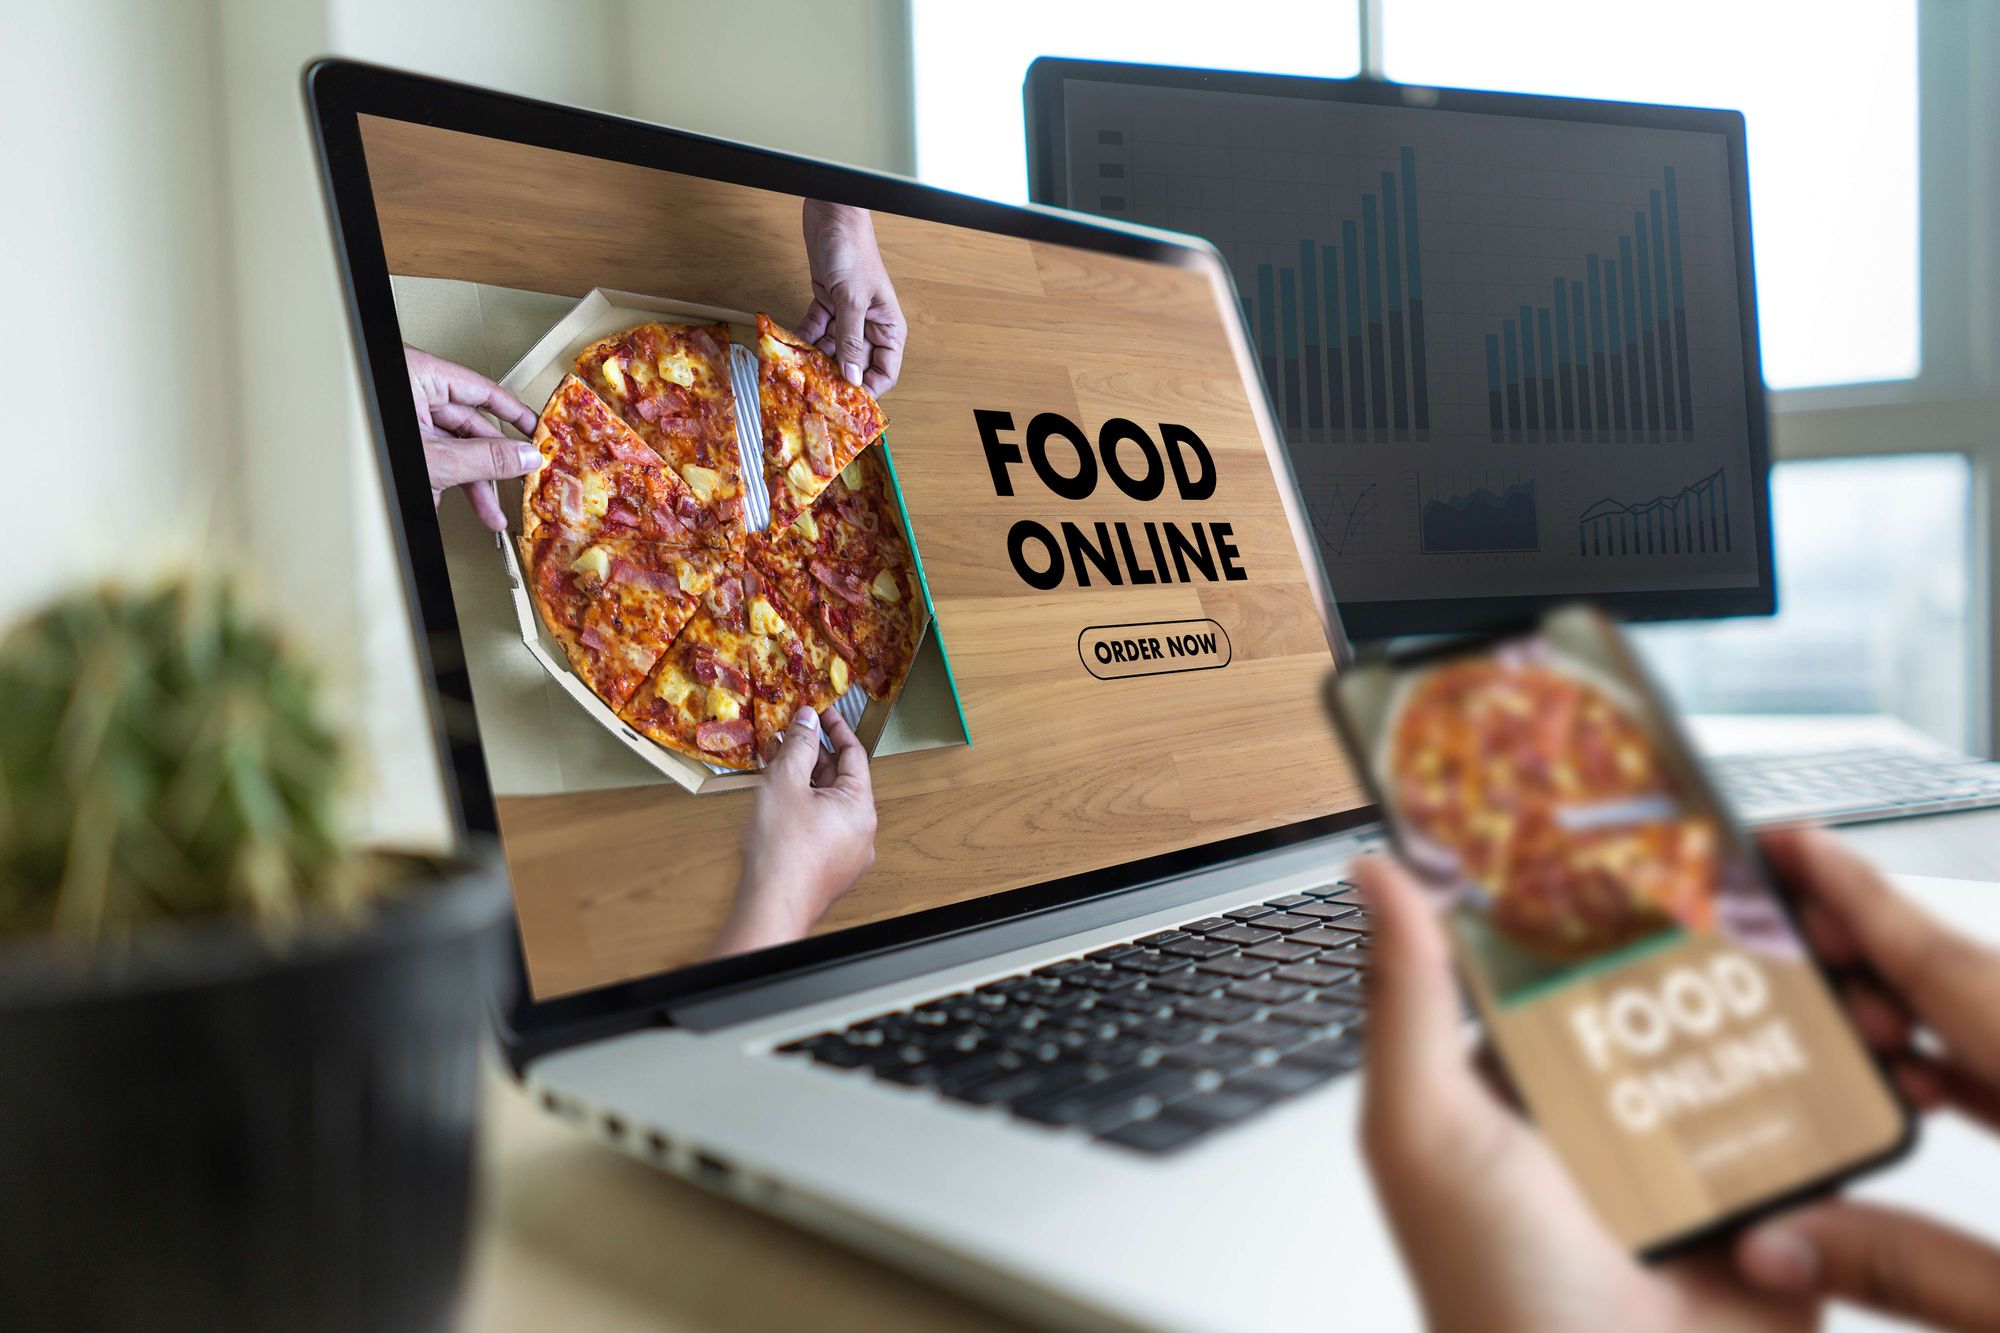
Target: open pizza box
[924, 715]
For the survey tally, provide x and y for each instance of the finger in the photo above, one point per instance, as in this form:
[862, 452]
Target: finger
[1883, 1258]
[826, 767]
[1949, 982]
[464, 421]
[813, 327]
[457, 462]
[850, 760]
[850, 336]
[794, 765]
[1883, 1023]
[486, 504]
[885, 365]
[1928, 1084]
[1420, 1087]
[469, 388]
[1828, 938]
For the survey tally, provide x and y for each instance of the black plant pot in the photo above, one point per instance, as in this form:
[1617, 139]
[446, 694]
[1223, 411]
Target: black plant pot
[211, 1135]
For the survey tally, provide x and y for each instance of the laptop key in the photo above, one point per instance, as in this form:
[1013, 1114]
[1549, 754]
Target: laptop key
[1206, 924]
[1240, 966]
[1250, 913]
[1224, 1106]
[1276, 1081]
[1282, 1038]
[1111, 953]
[1157, 1135]
[1282, 951]
[1165, 1087]
[1245, 935]
[1325, 937]
[1215, 1009]
[1155, 940]
[1314, 974]
[1349, 992]
[1284, 922]
[1312, 1013]
[1326, 911]
[1335, 1054]
[1070, 1105]
[1224, 1057]
[1198, 948]
[1190, 983]
[1266, 992]
[1289, 902]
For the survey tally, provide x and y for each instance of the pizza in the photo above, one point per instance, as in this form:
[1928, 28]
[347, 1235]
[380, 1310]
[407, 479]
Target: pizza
[790, 667]
[703, 638]
[1551, 797]
[615, 604]
[698, 700]
[844, 567]
[598, 477]
[670, 384]
[815, 422]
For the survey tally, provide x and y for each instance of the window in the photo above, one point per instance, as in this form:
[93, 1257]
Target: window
[970, 60]
[1829, 92]
[1873, 562]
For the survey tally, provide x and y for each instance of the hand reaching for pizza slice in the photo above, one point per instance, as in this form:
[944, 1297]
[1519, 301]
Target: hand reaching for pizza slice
[854, 317]
[462, 445]
[811, 836]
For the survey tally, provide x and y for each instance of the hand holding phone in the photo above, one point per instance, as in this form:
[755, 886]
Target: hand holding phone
[1642, 980]
[1497, 1235]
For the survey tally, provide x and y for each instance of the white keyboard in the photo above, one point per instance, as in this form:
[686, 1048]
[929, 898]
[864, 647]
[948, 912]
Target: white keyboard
[1849, 785]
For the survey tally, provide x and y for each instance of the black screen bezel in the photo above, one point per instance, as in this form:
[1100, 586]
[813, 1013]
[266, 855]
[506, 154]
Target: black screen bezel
[1043, 97]
[338, 93]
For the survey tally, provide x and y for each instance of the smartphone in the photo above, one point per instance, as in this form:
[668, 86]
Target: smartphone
[1642, 979]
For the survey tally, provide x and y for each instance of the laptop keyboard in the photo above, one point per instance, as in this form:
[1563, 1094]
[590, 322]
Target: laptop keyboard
[1149, 1044]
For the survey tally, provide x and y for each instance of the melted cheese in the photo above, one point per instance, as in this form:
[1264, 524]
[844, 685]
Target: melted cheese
[724, 705]
[675, 688]
[764, 618]
[701, 480]
[885, 587]
[694, 580]
[636, 656]
[790, 445]
[614, 375]
[836, 672]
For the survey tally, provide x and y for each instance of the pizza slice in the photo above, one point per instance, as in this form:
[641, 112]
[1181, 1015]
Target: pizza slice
[790, 667]
[844, 567]
[698, 699]
[614, 603]
[597, 477]
[670, 384]
[814, 420]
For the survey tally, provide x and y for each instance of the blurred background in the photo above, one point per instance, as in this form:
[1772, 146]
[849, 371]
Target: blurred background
[169, 238]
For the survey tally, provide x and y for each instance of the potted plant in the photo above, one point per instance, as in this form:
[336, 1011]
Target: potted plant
[238, 1055]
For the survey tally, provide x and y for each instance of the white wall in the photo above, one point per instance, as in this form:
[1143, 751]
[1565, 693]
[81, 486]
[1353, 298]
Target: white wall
[183, 292]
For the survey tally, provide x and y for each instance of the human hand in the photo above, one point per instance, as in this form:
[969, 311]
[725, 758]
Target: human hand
[1918, 977]
[1494, 1234]
[811, 835]
[461, 446]
[854, 317]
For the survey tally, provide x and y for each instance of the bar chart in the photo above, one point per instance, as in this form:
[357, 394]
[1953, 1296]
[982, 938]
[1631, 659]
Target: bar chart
[1491, 517]
[1340, 334]
[1606, 359]
[1692, 521]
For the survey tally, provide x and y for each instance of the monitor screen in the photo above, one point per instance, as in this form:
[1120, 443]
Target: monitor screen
[1066, 602]
[1507, 344]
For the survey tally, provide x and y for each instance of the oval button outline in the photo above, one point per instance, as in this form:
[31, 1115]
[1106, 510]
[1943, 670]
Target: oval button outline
[1229, 648]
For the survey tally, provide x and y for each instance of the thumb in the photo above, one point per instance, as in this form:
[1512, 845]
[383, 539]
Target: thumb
[453, 462]
[850, 340]
[1421, 1094]
[794, 764]
[1883, 1258]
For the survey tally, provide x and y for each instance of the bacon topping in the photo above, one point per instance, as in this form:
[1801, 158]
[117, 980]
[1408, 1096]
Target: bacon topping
[875, 679]
[624, 571]
[591, 639]
[833, 633]
[625, 451]
[839, 581]
[724, 598]
[703, 344]
[819, 446]
[620, 515]
[701, 663]
[571, 498]
[731, 679]
[718, 737]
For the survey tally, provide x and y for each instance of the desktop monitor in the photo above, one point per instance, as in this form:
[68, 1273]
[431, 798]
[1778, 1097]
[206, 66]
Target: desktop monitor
[1512, 341]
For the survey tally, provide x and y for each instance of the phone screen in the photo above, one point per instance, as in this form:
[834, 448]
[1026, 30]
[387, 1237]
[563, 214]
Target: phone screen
[1641, 979]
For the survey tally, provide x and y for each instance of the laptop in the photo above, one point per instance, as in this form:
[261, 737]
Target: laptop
[1084, 1039]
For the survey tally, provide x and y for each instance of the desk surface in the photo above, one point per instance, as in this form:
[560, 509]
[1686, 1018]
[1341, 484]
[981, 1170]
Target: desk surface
[574, 1235]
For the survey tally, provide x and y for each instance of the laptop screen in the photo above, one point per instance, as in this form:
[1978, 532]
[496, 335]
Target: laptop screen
[1044, 564]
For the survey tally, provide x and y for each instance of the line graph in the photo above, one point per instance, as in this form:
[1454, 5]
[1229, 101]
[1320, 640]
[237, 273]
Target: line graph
[1692, 521]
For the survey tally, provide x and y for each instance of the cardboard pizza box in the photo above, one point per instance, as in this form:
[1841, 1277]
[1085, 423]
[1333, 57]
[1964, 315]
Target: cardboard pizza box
[925, 714]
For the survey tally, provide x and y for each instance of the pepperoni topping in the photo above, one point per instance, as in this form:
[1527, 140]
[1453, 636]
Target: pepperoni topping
[719, 737]
[701, 663]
